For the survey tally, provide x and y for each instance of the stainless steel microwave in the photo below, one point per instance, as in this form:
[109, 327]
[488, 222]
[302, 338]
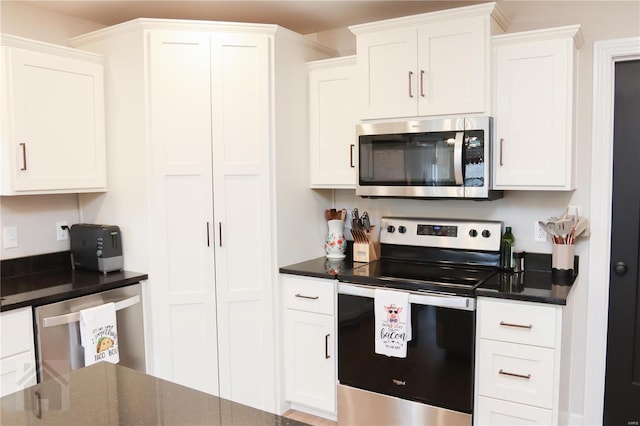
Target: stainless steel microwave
[431, 158]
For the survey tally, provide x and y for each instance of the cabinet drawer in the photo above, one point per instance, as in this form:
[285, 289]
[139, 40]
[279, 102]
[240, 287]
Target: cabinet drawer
[309, 294]
[17, 332]
[518, 322]
[517, 373]
[491, 411]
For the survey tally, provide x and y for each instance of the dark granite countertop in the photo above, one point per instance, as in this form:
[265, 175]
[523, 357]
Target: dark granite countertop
[44, 279]
[536, 284]
[109, 394]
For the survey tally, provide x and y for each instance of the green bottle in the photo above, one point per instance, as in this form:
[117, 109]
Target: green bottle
[507, 246]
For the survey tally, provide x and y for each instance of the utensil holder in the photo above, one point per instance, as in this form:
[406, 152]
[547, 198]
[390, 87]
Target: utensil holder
[562, 261]
[365, 249]
[335, 245]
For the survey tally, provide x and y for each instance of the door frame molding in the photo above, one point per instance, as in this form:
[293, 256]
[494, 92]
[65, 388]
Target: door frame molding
[605, 55]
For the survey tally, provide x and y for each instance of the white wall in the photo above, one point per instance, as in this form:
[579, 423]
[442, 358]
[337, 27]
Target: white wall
[35, 216]
[25, 20]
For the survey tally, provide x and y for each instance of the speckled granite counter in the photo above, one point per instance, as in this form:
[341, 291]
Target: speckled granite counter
[44, 279]
[536, 284]
[109, 394]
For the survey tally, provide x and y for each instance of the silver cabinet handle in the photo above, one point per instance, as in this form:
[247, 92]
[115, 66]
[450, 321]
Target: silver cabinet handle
[501, 142]
[326, 347]
[307, 297]
[508, 324]
[522, 376]
[410, 88]
[422, 83]
[24, 156]
[351, 155]
[75, 316]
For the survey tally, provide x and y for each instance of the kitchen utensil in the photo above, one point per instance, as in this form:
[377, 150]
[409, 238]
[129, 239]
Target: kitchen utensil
[365, 222]
[355, 219]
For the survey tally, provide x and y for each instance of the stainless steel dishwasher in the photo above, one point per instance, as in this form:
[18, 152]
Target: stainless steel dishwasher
[58, 331]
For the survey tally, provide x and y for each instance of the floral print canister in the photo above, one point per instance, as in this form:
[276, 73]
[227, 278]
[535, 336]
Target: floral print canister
[335, 244]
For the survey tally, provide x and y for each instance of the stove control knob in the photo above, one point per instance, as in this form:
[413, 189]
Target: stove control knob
[402, 229]
[486, 233]
[391, 229]
[473, 233]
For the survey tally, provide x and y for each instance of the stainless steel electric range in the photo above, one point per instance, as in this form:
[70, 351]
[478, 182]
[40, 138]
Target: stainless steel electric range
[439, 263]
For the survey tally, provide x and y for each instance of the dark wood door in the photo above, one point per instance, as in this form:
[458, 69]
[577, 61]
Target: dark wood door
[622, 384]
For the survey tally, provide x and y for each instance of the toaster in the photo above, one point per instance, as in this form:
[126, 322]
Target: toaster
[96, 247]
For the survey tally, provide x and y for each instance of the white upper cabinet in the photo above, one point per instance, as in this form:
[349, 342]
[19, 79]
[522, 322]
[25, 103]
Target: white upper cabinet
[429, 64]
[53, 137]
[535, 77]
[332, 122]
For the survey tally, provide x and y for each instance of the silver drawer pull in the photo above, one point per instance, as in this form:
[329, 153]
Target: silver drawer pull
[508, 324]
[307, 297]
[522, 376]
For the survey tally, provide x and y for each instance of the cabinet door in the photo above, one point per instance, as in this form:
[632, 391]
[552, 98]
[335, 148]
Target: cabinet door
[17, 351]
[534, 97]
[452, 64]
[387, 67]
[242, 208]
[56, 109]
[183, 290]
[310, 359]
[332, 122]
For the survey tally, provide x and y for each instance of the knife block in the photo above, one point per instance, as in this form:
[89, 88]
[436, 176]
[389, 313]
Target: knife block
[365, 249]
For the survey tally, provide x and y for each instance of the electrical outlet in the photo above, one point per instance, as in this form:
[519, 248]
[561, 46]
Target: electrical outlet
[539, 234]
[62, 234]
[10, 236]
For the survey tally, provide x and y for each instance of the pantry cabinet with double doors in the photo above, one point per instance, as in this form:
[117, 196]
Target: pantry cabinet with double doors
[518, 354]
[429, 64]
[52, 116]
[309, 343]
[204, 120]
[17, 353]
[535, 78]
[332, 122]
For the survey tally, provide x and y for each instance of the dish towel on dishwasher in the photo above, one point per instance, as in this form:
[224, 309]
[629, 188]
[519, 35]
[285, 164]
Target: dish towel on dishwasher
[99, 334]
[393, 322]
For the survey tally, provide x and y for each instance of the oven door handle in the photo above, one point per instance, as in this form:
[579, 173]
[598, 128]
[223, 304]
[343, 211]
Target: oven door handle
[417, 298]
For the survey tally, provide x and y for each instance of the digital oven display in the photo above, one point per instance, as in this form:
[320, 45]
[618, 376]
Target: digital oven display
[438, 230]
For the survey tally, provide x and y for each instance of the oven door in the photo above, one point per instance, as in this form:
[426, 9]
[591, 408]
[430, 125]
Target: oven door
[438, 368]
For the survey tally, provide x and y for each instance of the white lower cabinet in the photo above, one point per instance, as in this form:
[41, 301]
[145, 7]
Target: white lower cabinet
[17, 351]
[310, 343]
[517, 362]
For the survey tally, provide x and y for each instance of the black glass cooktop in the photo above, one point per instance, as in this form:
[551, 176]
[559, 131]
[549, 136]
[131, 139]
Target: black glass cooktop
[434, 277]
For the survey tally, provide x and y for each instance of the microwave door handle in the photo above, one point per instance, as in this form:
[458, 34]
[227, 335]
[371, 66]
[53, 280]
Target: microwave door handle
[75, 316]
[457, 158]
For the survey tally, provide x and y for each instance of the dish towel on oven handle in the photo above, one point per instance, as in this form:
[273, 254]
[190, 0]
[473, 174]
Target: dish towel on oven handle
[99, 334]
[393, 322]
